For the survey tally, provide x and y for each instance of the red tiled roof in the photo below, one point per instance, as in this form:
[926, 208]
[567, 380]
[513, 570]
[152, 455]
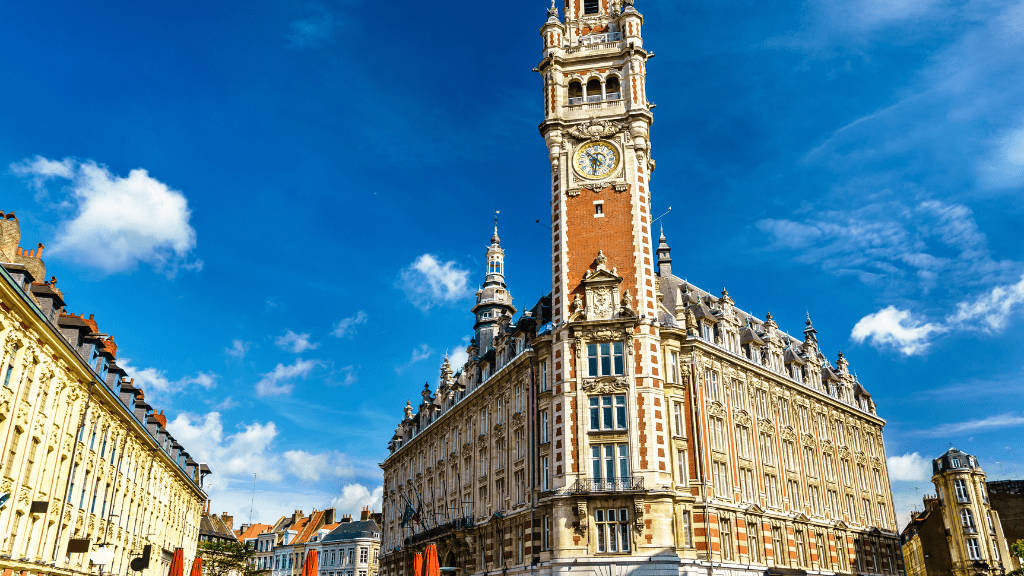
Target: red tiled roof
[314, 523]
[253, 531]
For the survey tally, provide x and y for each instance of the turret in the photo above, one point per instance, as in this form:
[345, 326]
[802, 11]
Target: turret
[493, 301]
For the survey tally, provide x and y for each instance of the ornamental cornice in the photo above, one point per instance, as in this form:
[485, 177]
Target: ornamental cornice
[716, 409]
[808, 439]
[605, 385]
[742, 417]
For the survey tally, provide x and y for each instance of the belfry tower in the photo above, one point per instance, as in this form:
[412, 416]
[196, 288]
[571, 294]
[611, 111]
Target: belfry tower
[597, 123]
[604, 295]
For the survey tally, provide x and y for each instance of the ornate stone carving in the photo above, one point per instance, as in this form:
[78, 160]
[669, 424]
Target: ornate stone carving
[716, 409]
[638, 514]
[467, 450]
[581, 511]
[594, 129]
[518, 419]
[604, 385]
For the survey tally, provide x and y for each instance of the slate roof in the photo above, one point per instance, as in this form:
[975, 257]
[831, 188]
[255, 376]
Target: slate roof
[353, 530]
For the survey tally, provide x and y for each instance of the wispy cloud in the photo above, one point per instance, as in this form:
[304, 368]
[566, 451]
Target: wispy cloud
[315, 31]
[419, 354]
[998, 422]
[911, 335]
[295, 343]
[896, 247]
[428, 282]
[278, 382]
[238, 349]
[346, 327]
[160, 388]
[117, 223]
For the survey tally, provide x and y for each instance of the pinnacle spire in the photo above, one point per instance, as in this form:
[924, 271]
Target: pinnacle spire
[495, 239]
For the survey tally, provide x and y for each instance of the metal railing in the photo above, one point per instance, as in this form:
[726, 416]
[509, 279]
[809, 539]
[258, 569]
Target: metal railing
[625, 484]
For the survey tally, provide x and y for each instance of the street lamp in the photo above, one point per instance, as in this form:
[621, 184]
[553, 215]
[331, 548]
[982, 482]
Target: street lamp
[104, 554]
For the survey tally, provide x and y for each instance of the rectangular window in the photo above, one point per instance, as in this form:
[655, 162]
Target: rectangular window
[677, 418]
[683, 465]
[545, 473]
[608, 413]
[867, 512]
[605, 359]
[546, 536]
[13, 453]
[743, 442]
[747, 488]
[767, 449]
[784, 411]
[794, 494]
[809, 460]
[779, 552]
[364, 555]
[613, 530]
[674, 366]
[721, 478]
[717, 431]
[789, 453]
[726, 534]
[609, 462]
[687, 530]
[544, 427]
[761, 403]
[961, 491]
[771, 488]
[739, 397]
[544, 376]
[973, 550]
[591, 6]
[801, 547]
[753, 539]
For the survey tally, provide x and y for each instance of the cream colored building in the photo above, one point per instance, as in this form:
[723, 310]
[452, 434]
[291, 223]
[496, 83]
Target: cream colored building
[85, 460]
[958, 533]
[630, 420]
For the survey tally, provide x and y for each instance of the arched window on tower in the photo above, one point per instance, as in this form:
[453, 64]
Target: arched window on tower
[594, 90]
[591, 6]
[612, 89]
[575, 93]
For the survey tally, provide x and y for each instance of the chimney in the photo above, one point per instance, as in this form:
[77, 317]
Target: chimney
[228, 521]
[346, 518]
[39, 253]
[365, 514]
[329, 515]
[161, 418]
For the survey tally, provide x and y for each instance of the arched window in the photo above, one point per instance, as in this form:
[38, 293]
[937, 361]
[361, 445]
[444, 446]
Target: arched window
[575, 92]
[966, 518]
[593, 90]
[612, 89]
[591, 6]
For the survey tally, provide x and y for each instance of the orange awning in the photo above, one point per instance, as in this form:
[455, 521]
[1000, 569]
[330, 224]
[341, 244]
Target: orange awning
[197, 567]
[417, 565]
[432, 567]
[312, 565]
[177, 564]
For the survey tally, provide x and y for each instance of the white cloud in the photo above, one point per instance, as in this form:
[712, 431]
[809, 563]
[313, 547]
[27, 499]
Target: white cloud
[894, 328]
[118, 222]
[457, 356]
[346, 328]
[311, 467]
[158, 387]
[901, 330]
[250, 451]
[238, 349]
[909, 468]
[277, 382]
[354, 497]
[998, 422]
[295, 343]
[349, 375]
[241, 454]
[429, 282]
[419, 354]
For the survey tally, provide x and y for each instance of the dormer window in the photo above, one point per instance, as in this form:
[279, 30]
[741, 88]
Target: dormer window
[956, 462]
[591, 6]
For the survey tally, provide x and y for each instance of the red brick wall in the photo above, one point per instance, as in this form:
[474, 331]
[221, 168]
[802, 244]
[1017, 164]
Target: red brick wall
[613, 234]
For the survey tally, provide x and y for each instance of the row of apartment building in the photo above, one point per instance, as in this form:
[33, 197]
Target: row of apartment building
[86, 461]
[345, 547]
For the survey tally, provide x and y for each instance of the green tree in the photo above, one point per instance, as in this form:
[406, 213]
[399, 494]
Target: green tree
[1017, 549]
[228, 559]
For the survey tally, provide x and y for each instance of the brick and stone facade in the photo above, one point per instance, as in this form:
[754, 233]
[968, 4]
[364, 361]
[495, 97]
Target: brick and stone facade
[630, 419]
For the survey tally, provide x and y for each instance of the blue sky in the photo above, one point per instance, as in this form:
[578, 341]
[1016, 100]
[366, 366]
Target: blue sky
[281, 209]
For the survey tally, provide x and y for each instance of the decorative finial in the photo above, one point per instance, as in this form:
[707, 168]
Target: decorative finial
[808, 317]
[495, 239]
[662, 233]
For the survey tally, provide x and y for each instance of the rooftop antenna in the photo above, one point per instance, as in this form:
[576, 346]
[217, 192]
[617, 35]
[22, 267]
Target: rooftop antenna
[662, 216]
[253, 502]
[1013, 459]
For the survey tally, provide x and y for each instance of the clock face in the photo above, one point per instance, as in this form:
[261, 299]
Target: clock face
[597, 159]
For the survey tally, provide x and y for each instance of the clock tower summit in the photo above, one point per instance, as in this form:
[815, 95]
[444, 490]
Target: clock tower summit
[596, 126]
